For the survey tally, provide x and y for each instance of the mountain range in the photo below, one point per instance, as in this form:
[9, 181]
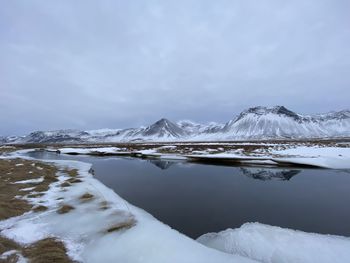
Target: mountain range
[254, 123]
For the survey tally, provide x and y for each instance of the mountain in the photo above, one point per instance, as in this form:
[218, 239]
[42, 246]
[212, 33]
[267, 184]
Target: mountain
[60, 136]
[254, 123]
[164, 129]
[279, 122]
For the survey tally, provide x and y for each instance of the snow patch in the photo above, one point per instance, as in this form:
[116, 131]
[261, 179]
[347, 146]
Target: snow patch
[270, 244]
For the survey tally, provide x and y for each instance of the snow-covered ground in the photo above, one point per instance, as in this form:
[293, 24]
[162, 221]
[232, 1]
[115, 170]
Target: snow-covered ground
[84, 231]
[324, 157]
[271, 244]
[101, 150]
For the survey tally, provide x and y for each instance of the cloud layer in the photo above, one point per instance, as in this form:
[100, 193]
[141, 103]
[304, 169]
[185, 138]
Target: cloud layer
[93, 64]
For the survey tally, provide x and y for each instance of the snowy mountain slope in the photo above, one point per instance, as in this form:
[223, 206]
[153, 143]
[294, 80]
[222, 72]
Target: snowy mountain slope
[164, 129]
[279, 122]
[194, 128]
[253, 123]
[54, 136]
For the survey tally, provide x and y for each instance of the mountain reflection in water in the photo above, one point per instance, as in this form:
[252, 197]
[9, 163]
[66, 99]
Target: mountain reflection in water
[252, 172]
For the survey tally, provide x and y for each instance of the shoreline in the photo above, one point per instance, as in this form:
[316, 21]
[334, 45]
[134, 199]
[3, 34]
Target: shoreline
[104, 227]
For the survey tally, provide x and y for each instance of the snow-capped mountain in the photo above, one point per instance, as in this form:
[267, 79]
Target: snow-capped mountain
[253, 123]
[164, 129]
[279, 122]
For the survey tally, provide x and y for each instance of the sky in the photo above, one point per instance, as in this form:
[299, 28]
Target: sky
[115, 64]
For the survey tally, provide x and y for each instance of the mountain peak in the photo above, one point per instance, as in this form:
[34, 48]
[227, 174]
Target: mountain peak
[254, 123]
[162, 121]
[164, 128]
[261, 110]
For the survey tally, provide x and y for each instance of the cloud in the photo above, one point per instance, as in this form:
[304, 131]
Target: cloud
[87, 64]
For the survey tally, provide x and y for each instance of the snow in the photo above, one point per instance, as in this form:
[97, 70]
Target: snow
[83, 229]
[20, 258]
[102, 150]
[325, 157]
[31, 181]
[254, 123]
[270, 244]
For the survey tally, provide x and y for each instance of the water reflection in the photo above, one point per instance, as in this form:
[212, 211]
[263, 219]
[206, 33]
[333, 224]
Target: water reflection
[162, 164]
[269, 174]
[251, 172]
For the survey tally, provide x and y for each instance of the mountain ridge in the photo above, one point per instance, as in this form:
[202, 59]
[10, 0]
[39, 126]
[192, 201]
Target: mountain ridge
[258, 122]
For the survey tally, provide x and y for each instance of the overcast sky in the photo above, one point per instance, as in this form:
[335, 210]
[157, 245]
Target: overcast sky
[95, 64]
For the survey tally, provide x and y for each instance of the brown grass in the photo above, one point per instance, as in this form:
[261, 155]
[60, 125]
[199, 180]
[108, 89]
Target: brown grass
[36, 195]
[65, 209]
[130, 222]
[104, 205]
[74, 180]
[86, 197]
[71, 172]
[7, 245]
[7, 149]
[48, 250]
[65, 184]
[40, 208]
[11, 173]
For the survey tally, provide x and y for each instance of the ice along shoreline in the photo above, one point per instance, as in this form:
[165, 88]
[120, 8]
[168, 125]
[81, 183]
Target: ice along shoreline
[147, 239]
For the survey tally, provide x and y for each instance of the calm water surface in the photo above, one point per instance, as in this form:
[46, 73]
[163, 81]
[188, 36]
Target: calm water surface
[196, 199]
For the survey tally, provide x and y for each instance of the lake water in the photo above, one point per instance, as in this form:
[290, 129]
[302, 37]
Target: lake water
[196, 199]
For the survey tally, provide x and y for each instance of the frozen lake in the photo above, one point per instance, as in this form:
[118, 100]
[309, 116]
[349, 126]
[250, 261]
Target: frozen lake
[196, 199]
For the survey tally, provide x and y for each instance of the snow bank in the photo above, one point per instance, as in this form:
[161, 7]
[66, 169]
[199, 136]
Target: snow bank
[102, 150]
[270, 244]
[84, 229]
[326, 157]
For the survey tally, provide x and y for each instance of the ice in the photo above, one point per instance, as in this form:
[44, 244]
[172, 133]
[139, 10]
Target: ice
[84, 229]
[89, 150]
[270, 244]
[326, 157]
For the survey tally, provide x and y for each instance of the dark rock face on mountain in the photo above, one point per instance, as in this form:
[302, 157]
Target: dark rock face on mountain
[277, 110]
[253, 123]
